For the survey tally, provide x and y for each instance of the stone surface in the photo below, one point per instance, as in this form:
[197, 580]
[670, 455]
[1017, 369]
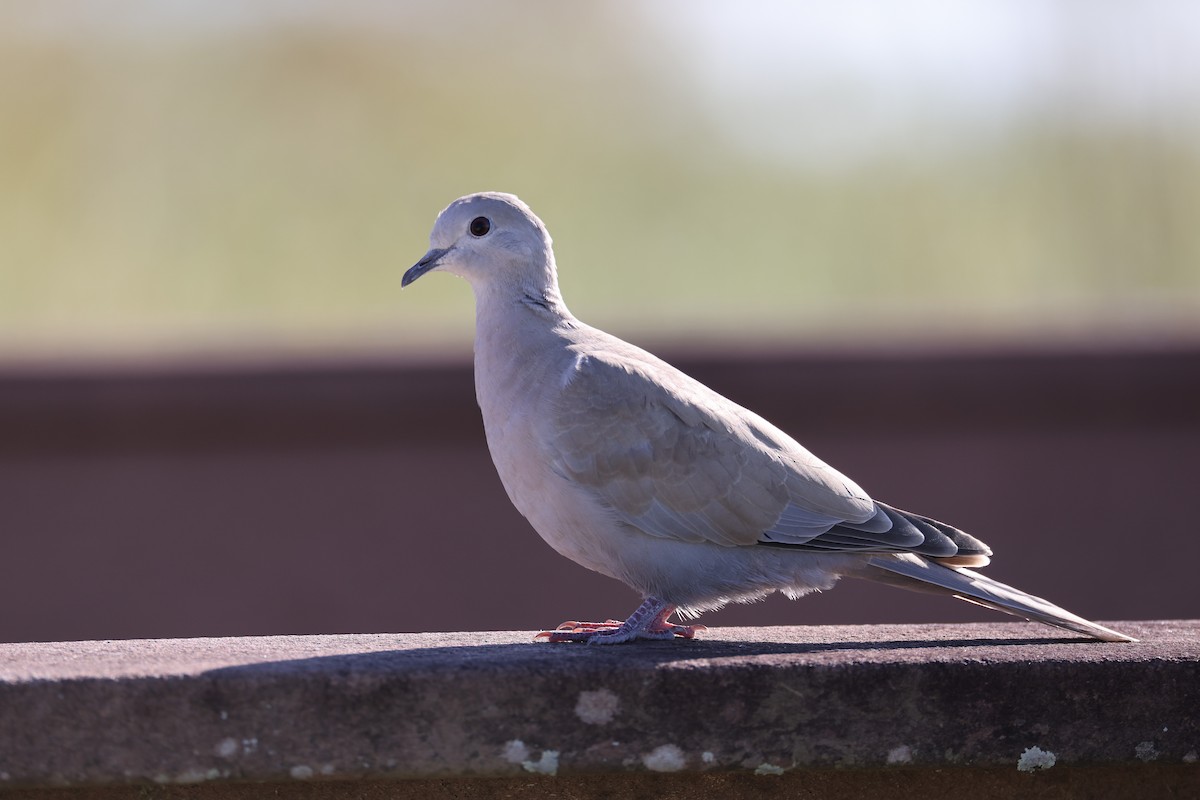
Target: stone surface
[1127, 782]
[761, 702]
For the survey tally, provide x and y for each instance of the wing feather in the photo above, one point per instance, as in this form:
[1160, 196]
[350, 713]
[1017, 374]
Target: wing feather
[676, 460]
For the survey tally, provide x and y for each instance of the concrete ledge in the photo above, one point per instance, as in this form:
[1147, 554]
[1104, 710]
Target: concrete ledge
[746, 704]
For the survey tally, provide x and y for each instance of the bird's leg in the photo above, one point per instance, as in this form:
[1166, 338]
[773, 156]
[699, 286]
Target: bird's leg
[649, 621]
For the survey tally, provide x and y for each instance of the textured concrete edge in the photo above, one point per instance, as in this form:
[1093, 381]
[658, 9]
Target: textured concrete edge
[756, 701]
[1112, 782]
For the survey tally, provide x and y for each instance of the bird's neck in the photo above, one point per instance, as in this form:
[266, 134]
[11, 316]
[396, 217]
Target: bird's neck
[518, 332]
[510, 309]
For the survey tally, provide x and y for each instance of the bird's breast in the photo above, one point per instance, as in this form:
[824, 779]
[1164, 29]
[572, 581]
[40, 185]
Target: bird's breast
[515, 391]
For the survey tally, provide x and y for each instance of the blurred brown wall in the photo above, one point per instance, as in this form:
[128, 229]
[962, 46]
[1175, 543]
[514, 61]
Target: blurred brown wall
[198, 499]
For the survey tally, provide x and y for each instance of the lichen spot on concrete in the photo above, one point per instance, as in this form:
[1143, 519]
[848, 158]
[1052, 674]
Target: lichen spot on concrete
[665, 758]
[900, 755]
[768, 769]
[707, 757]
[546, 765]
[1190, 758]
[227, 748]
[301, 772]
[597, 707]
[193, 776]
[1146, 751]
[1035, 758]
[515, 751]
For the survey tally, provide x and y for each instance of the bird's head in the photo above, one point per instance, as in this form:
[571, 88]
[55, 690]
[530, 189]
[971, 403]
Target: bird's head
[492, 240]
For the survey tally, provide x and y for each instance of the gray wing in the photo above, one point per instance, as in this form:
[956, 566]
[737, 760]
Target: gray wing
[674, 459]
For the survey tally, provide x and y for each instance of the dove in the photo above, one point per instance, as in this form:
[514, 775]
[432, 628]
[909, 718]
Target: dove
[629, 467]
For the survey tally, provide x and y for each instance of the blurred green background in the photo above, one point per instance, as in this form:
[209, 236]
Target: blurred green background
[219, 175]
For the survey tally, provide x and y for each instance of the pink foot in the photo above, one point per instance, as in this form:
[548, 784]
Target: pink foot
[649, 621]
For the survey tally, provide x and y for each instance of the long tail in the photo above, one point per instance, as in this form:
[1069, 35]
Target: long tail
[919, 573]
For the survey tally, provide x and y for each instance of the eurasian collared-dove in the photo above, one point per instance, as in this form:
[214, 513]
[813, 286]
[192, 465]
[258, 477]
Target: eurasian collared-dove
[627, 466]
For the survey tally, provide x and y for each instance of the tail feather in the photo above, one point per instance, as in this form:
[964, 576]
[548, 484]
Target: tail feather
[915, 572]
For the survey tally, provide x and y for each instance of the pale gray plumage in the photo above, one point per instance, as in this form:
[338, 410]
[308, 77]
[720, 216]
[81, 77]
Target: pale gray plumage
[635, 470]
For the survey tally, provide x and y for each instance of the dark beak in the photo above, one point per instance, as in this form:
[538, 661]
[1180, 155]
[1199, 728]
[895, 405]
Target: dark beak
[427, 262]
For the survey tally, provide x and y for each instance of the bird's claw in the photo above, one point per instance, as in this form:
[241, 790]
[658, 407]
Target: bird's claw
[573, 625]
[613, 632]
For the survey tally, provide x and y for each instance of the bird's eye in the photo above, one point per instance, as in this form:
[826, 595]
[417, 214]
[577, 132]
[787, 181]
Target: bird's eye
[480, 226]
